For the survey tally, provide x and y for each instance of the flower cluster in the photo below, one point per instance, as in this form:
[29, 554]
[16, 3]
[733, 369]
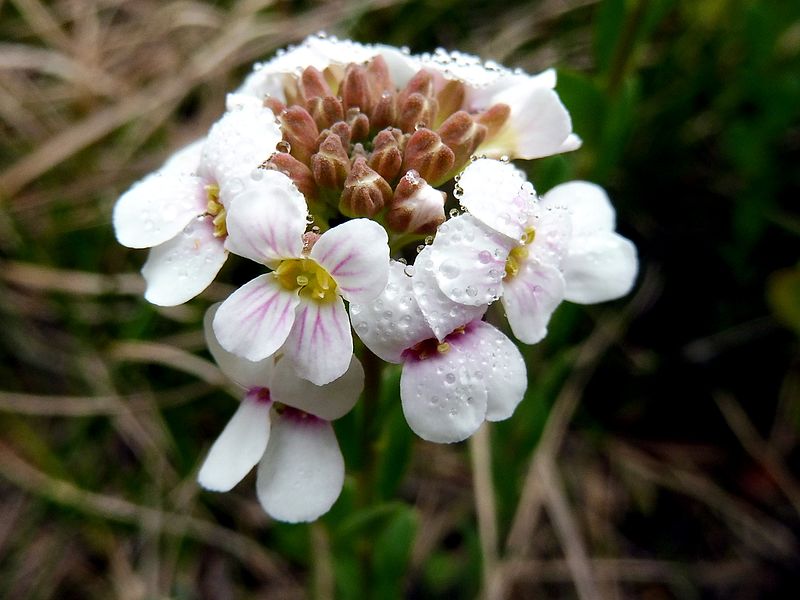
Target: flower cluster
[377, 190]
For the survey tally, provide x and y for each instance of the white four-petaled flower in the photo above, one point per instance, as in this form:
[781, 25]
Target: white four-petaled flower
[179, 211]
[300, 467]
[298, 305]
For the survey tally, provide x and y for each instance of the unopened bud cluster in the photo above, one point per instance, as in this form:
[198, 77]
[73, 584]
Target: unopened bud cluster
[354, 141]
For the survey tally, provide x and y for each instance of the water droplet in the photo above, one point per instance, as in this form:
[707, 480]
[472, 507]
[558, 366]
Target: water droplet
[485, 256]
[454, 212]
[420, 125]
[450, 270]
[283, 146]
[256, 174]
[471, 291]
[429, 240]
[420, 248]
[315, 229]
[402, 260]
[362, 327]
[409, 270]
[450, 378]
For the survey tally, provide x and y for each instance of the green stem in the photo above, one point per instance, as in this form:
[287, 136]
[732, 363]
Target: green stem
[373, 370]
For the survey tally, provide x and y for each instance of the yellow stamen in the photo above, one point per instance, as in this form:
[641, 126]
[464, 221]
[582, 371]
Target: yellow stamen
[518, 255]
[214, 208]
[308, 277]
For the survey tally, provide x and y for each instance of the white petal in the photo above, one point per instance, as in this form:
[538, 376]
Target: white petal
[185, 160]
[179, 269]
[573, 142]
[256, 319]
[302, 472]
[599, 267]
[530, 297]
[443, 401]
[246, 373]
[320, 344]
[237, 144]
[469, 260]
[552, 234]
[392, 322]
[329, 402]
[156, 208]
[356, 255]
[502, 367]
[266, 221]
[538, 124]
[238, 448]
[588, 204]
[441, 313]
[497, 194]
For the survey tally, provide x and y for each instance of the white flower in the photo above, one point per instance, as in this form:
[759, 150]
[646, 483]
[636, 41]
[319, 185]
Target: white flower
[532, 255]
[450, 383]
[528, 119]
[179, 211]
[300, 467]
[298, 306]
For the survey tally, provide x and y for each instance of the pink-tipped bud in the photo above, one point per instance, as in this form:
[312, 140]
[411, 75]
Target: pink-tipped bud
[355, 90]
[380, 80]
[387, 157]
[325, 111]
[359, 125]
[493, 118]
[344, 132]
[300, 131]
[299, 173]
[416, 207]
[330, 165]
[426, 154]
[420, 83]
[462, 135]
[384, 113]
[417, 111]
[275, 105]
[365, 192]
[313, 85]
[309, 239]
[450, 98]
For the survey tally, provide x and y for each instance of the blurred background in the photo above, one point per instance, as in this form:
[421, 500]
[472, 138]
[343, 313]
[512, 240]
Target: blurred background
[655, 454]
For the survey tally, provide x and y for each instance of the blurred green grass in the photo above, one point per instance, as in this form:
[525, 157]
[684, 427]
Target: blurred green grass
[655, 454]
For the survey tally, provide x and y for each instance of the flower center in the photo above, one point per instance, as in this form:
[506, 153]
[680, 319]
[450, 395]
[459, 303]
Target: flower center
[307, 277]
[350, 134]
[215, 209]
[518, 255]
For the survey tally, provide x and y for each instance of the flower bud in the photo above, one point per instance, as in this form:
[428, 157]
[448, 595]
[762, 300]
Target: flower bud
[493, 118]
[359, 125]
[384, 113]
[330, 165]
[379, 77]
[299, 173]
[420, 83]
[300, 131]
[462, 135]
[313, 85]
[426, 154]
[417, 111]
[344, 131]
[365, 192]
[450, 99]
[355, 90]
[275, 105]
[387, 158]
[325, 111]
[416, 206]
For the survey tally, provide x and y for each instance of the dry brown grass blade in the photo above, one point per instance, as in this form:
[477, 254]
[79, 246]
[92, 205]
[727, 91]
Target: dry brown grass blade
[48, 279]
[607, 331]
[722, 574]
[566, 527]
[170, 356]
[249, 551]
[485, 508]
[760, 532]
[757, 448]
